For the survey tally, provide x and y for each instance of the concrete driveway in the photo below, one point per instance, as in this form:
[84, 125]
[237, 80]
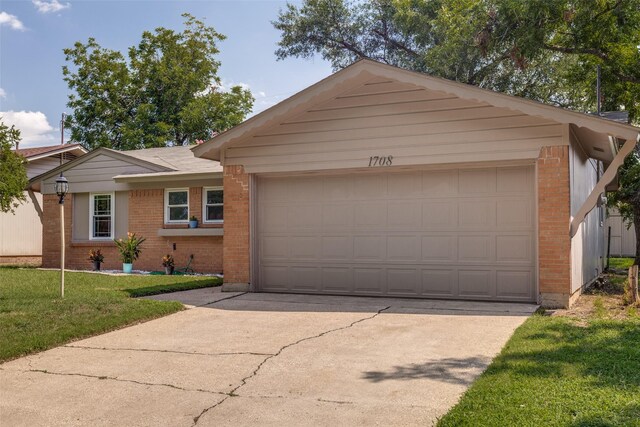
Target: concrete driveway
[265, 359]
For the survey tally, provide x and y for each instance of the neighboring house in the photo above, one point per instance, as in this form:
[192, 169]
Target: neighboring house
[151, 192]
[21, 234]
[378, 181]
[623, 237]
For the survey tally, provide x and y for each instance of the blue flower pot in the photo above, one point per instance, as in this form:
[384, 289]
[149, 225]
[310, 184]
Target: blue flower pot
[193, 224]
[127, 268]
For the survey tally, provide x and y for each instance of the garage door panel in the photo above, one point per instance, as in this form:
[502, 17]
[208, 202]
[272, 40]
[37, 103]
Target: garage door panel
[370, 215]
[305, 189]
[475, 284]
[405, 185]
[439, 214]
[337, 280]
[514, 248]
[440, 183]
[275, 278]
[476, 249]
[273, 217]
[304, 247]
[439, 248]
[368, 281]
[404, 215]
[274, 247]
[337, 216]
[477, 181]
[467, 234]
[305, 279]
[514, 213]
[304, 217]
[336, 188]
[513, 284]
[369, 248]
[403, 248]
[337, 248]
[514, 180]
[403, 281]
[476, 214]
[369, 187]
[439, 283]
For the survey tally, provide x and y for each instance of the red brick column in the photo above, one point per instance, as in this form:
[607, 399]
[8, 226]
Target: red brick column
[236, 227]
[554, 217]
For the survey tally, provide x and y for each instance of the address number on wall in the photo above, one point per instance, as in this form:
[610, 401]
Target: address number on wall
[380, 161]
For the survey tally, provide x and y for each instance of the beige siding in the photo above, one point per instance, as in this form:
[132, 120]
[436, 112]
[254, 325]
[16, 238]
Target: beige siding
[81, 227]
[587, 246]
[623, 239]
[21, 234]
[415, 126]
[40, 166]
[95, 174]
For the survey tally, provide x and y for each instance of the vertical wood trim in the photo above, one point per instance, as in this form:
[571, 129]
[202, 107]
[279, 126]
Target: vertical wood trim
[254, 281]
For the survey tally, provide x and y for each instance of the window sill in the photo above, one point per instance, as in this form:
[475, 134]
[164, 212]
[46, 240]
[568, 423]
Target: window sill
[193, 232]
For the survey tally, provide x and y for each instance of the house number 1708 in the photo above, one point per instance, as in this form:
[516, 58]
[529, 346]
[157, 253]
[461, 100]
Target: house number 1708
[380, 161]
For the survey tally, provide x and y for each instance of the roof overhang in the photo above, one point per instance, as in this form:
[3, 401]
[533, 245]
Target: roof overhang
[595, 132]
[165, 176]
[76, 149]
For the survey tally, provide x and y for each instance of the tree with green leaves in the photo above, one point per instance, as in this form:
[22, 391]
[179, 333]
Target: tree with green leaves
[167, 91]
[545, 50]
[13, 172]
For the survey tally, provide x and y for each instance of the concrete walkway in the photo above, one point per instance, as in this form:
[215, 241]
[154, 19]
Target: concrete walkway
[265, 359]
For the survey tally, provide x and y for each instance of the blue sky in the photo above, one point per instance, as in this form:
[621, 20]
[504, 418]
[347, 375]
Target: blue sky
[33, 33]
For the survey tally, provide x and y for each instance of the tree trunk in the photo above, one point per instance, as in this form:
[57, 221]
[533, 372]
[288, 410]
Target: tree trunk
[636, 224]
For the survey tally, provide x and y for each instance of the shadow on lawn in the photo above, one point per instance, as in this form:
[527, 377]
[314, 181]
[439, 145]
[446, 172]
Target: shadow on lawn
[605, 351]
[450, 370]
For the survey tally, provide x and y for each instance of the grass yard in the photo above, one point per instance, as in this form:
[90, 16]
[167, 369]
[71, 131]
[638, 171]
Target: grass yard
[33, 317]
[580, 367]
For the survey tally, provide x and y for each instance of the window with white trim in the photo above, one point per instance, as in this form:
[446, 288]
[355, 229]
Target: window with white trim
[176, 205]
[102, 215]
[212, 204]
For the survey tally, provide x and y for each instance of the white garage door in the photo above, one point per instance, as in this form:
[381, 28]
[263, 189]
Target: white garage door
[462, 234]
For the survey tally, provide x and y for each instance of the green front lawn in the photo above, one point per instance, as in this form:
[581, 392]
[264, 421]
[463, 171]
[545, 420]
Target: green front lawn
[578, 369]
[33, 317]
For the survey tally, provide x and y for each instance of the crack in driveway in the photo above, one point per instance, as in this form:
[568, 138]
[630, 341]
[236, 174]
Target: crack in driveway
[244, 380]
[194, 353]
[104, 377]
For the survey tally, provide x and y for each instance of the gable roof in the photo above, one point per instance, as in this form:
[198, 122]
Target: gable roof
[35, 153]
[601, 129]
[162, 164]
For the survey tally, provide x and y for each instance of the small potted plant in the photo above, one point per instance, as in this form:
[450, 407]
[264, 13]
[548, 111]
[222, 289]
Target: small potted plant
[96, 257]
[169, 264]
[130, 250]
[193, 222]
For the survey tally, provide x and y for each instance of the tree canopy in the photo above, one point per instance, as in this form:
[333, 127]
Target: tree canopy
[13, 172]
[545, 50]
[166, 92]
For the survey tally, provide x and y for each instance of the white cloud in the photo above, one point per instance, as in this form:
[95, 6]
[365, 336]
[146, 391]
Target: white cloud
[34, 127]
[12, 21]
[51, 6]
[3, 93]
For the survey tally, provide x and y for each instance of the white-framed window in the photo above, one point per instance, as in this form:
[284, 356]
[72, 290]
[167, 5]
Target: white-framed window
[176, 205]
[102, 216]
[212, 204]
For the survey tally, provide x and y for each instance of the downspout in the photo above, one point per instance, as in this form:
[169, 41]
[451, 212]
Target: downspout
[607, 177]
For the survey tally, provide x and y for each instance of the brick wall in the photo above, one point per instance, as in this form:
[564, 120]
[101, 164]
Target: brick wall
[236, 225]
[554, 217]
[146, 217]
